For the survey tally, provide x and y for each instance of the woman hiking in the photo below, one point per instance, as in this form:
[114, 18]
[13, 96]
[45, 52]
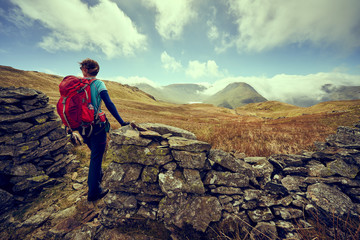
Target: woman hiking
[97, 139]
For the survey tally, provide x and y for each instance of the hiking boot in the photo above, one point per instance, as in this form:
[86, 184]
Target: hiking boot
[101, 195]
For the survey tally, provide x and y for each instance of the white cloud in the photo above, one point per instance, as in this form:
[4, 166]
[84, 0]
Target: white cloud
[264, 24]
[293, 89]
[198, 69]
[171, 16]
[75, 26]
[169, 63]
[213, 32]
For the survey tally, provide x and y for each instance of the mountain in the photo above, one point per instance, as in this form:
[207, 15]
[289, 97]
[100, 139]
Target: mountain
[235, 95]
[185, 93]
[175, 93]
[232, 96]
[336, 93]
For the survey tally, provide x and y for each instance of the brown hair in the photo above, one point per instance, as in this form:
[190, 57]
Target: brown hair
[91, 65]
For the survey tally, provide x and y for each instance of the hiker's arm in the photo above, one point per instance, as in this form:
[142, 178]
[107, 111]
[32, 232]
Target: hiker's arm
[111, 107]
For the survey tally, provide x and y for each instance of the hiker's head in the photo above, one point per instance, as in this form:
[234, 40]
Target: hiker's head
[89, 67]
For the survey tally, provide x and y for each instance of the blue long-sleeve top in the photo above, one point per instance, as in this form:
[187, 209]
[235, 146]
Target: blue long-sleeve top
[111, 107]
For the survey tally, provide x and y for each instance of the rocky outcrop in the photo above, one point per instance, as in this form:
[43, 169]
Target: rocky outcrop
[33, 146]
[167, 176]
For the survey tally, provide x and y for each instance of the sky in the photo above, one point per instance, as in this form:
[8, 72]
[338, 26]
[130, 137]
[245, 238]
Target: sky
[285, 49]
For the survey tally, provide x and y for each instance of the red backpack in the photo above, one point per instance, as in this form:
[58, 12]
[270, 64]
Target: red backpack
[74, 106]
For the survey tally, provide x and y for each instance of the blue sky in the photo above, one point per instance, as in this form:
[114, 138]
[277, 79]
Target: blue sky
[284, 49]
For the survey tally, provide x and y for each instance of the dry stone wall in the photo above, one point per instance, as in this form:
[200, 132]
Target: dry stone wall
[33, 145]
[164, 174]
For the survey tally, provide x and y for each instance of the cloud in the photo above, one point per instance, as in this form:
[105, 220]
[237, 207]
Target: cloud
[264, 25]
[301, 90]
[169, 63]
[198, 69]
[213, 31]
[75, 26]
[171, 16]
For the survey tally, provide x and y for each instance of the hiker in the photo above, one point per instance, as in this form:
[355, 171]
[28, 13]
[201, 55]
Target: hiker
[97, 139]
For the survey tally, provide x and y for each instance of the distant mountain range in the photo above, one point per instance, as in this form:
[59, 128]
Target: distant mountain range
[233, 96]
[336, 93]
[238, 94]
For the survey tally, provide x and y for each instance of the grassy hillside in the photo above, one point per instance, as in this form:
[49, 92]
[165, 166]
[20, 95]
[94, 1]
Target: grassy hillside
[235, 95]
[276, 110]
[258, 129]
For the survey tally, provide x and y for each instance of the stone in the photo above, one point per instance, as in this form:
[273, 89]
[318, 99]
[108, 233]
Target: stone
[27, 169]
[128, 137]
[343, 169]
[285, 225]
[151, 155]
[147, 213]
[39, 119]
[32, 183]
[227, 190]
[282, 161]
[174, 182]
[273, 200]
[288, 213]
[57, 134]
[120, 200]
[18, 93]
[189, 159]
[263, 170]
[347, 137]
[171, 166]
[26, 115]
[59, 165]
[16, 127]
[235, 223]
[10, 109]
[39, 130]
[264, 230]
[190, 145]
[232, 164]
[197, 211]
[121, 174]
[77, 186]
[317, 169]
[193, 181]
[330, 199]
[334, 180]
[150, 174]
[275, 188]
[26, 148]
[151, 135]
[39, 218]
[171, 182]
[6, 200]
[260, 215]
[6, 150]
[226, 179]
[302, 171]
[166, 129]
[293, 183]
[252, 194]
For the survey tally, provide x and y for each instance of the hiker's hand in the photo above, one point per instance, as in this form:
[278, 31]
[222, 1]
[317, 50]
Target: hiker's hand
[75, 139]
